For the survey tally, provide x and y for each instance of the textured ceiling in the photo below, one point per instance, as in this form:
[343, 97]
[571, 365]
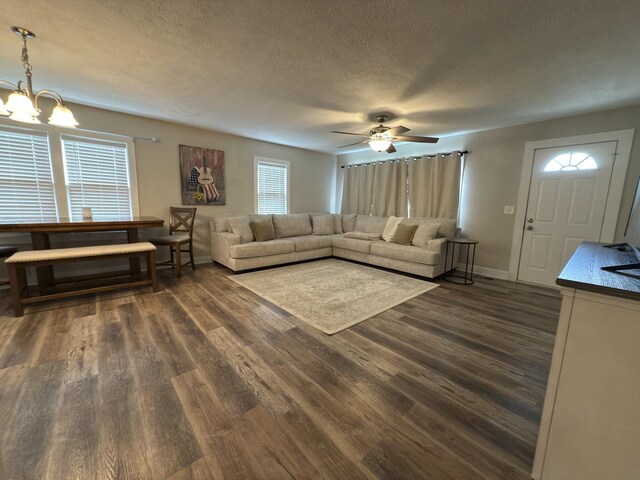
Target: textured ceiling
[289, 71]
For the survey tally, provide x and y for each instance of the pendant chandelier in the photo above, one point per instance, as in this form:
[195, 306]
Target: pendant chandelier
[22, 104]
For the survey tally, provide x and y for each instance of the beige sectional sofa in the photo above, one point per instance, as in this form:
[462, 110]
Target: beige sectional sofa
[307, 236]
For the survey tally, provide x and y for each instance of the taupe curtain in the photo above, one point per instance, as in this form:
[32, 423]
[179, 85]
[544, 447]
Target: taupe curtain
[434, 186]
[358, 189]
[390, 189]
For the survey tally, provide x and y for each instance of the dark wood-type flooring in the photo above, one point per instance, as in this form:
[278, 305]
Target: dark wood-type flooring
[204, 379]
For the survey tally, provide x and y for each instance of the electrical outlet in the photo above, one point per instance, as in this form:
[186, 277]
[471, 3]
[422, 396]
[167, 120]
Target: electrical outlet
[509, 210]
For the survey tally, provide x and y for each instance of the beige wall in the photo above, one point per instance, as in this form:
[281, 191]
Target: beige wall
[492, 173]
[312, 173]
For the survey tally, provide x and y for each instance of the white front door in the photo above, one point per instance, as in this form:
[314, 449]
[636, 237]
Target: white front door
[566, 206]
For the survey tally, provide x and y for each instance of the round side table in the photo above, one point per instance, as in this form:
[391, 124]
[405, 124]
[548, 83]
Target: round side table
[467, 278]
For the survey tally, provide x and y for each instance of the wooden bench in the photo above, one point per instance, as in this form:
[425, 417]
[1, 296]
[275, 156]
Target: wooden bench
[18, 262]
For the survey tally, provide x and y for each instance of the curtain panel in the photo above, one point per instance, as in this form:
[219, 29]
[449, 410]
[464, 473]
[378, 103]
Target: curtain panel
[357, 192]
[434, 186]
[390, 189]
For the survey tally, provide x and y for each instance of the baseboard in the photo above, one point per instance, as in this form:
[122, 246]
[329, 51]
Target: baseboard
[205, 259]
[486, 271]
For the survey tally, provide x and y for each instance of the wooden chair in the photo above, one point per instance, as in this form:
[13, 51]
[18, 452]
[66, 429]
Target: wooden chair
[6, 252]
[180, 234]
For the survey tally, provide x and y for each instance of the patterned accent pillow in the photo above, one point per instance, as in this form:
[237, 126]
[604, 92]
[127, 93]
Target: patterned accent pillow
[263, 230]
[240, 226]
[424, 234]
[404, 234]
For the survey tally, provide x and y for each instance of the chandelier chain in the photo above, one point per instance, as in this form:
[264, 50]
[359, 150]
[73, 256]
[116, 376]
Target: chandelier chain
[25, 55]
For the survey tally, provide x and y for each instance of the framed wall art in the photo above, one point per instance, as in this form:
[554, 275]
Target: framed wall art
[202, 176]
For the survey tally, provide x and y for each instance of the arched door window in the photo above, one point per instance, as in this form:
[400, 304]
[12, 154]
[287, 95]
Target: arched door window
[571, 162]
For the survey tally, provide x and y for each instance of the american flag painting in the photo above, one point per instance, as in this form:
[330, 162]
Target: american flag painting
[202, 176]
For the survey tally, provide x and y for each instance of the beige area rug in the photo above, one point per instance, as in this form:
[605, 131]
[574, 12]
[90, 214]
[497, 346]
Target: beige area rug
[331, 294]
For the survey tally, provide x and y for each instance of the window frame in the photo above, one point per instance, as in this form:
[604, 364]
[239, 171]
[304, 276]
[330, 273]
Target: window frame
[54, 136]
[273, 161]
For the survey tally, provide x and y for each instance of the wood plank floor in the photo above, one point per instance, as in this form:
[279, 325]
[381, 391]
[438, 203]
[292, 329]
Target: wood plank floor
[206, 380]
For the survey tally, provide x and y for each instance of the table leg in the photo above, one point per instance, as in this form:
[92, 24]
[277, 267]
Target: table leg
[134, 262]
[40, 241]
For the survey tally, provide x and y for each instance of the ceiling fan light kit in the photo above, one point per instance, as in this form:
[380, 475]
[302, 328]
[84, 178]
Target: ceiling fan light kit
[381, 138]
[22, 104]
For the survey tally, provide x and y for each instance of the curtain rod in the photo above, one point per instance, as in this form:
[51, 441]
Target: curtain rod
[464, 152]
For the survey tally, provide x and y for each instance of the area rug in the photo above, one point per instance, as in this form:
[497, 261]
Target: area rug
[331, 294]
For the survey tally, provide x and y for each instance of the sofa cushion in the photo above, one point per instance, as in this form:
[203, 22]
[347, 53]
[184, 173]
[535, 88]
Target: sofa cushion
[241, 226]
[263, 230]
[311, 242]
[404, 234]
[292, 225]
[424, 234]
[261, 249]
[447, 225]
[390, 228]
[363, 246]
[348, 222]
[362, 235]
[337, 223]
[405, 252]
[369, 224]
[322, 225]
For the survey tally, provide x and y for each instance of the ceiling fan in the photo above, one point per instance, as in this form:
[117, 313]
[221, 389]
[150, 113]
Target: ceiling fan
[381, 138]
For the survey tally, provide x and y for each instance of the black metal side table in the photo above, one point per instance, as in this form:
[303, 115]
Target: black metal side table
[467, 279]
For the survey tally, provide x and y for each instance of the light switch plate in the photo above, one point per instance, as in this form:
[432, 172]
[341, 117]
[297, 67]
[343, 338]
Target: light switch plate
[509, 210]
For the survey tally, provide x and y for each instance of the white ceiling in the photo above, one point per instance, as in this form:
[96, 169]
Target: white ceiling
[289, 71]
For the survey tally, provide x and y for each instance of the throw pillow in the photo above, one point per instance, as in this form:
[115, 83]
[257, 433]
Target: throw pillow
[362, 235]
[424, 234]
[322, 224]
[404, 234]
[240, 226]
[390, 228]
[263, 230]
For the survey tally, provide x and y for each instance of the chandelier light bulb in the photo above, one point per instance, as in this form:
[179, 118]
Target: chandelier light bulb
[19, 103]
[62, 117]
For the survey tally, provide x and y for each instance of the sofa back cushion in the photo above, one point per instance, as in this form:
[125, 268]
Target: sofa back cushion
[447, 225]
[348, 222]
[292, 225]
[369, 224]
[337, 223]
[322, 224]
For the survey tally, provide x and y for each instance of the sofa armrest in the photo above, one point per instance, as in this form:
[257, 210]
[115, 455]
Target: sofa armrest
[437, 245]
[221, 243]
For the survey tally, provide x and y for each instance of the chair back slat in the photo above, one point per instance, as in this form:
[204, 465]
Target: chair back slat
[182, 220]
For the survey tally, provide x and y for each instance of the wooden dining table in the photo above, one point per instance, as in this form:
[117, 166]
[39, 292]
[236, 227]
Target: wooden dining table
[41, 230]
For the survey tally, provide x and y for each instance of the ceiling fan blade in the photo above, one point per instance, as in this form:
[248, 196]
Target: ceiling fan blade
[409, 138]
[349, 133]
[357, 143]
[399, 130]
[391, 149]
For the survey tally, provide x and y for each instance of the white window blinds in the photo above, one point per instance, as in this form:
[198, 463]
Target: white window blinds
[272, 188]
[97, 174]
[26, 181]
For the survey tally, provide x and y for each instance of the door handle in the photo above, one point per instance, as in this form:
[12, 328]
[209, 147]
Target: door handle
[529, 220]
[529, 227]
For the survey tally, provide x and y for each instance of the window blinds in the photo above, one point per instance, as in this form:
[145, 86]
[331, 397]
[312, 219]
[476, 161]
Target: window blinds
[272, 188]
[97, 176]
[26, 181]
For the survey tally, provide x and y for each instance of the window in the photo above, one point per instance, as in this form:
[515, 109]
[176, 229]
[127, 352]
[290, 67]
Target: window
[26, 180]
[97, 176]
[272, 186]
[47, 174]
[571, 162]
